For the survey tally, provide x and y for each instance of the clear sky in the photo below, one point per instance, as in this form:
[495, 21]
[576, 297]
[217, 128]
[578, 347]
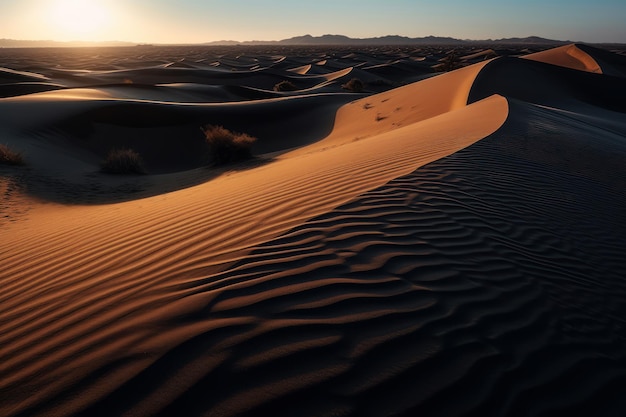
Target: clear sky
[190, 21]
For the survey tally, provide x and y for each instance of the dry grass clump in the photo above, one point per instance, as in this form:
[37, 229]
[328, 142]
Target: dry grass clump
[226, 147]
[123, 162]
[354, 85]
[9, 156]
[285, 86]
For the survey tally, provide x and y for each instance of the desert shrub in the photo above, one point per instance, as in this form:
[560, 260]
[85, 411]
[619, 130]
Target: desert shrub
[354, 85]
[450, 63]
[9, 156]
[285, 86]
[123, 161]
[226, 147]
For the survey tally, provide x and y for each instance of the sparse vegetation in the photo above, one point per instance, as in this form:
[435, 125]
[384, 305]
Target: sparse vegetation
[226, 147]
[354, 85]
[285, 86]
[123, 162]
[9, 156]
[450, 62]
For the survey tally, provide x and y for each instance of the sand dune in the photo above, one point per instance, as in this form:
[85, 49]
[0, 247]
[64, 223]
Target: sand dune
[551, 85]
[450, 247]
[570, 56]
[400, 107]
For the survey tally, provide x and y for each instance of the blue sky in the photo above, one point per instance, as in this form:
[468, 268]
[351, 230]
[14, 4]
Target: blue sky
[166, 21]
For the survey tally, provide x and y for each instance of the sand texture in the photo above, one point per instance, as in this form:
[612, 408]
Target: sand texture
[448, 244]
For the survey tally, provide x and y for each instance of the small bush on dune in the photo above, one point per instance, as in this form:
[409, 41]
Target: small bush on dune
[227, 147]
[123, 161]
[285, 86]
[450, 63]
[354, 85]
[10, 157]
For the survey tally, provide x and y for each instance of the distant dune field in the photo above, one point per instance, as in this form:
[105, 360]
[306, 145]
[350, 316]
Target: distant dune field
[445, 236]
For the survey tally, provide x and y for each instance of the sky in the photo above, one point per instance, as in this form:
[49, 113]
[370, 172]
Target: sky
[197, 21]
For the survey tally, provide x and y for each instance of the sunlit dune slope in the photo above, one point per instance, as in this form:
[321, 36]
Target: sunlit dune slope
[569, 56]
[402, 106]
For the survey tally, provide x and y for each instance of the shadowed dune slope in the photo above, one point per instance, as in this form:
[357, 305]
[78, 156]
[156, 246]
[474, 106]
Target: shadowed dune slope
[22, 88]
[611, 63]
[166, 134]
[10, 75]
[540, 83]
[481, 277]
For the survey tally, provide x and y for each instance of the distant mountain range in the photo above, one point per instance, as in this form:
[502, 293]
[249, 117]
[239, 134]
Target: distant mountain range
[392, 40]
[325, 40]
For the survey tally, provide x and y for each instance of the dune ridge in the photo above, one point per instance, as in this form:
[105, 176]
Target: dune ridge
[569, 56]
[461, 238]
[482, 289]
[400, 107]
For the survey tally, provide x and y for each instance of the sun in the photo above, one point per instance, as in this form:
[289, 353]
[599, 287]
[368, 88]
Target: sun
[79, 18]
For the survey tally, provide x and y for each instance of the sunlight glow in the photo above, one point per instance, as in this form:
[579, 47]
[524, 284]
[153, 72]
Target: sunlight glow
[79, 18]
[199, 21]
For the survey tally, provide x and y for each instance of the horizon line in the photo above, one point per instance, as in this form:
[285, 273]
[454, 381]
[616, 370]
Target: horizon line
[269, 42]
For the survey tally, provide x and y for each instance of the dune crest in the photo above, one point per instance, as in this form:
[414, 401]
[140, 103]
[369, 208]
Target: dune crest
[401, 107]
[569, 56]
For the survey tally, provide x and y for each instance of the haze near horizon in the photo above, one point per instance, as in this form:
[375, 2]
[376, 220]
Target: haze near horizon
[194, 21]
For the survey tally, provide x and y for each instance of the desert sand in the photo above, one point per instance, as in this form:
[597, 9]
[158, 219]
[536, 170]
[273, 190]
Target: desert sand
[440, 244]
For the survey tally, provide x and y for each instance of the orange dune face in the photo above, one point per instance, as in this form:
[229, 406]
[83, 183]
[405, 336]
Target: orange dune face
[402, 107]
[569, 56]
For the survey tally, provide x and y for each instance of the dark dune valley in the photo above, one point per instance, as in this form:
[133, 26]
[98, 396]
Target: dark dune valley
[421, 230]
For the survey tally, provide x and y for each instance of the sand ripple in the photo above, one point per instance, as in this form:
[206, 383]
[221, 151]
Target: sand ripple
[441, 285]
[480, 277]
